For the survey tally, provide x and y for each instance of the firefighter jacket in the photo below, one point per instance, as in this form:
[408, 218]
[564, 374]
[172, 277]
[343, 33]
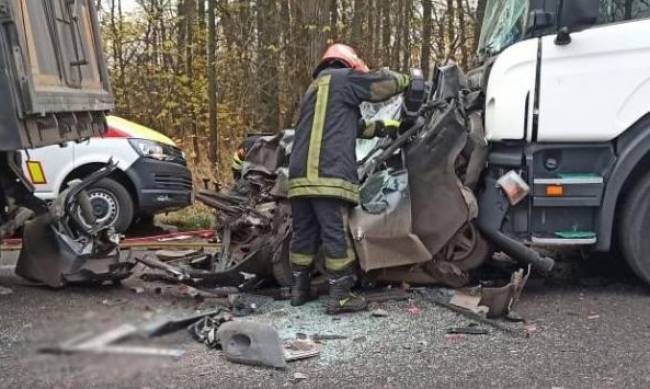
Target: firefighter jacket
[323, 160]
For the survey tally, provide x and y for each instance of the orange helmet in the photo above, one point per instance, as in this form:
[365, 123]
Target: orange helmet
[344, 54]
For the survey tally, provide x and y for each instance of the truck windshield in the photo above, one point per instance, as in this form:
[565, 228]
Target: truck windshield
[504, 24]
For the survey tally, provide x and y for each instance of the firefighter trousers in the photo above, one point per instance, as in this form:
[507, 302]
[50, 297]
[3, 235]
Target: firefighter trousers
[321, 225]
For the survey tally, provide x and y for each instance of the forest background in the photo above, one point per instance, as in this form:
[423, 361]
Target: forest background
[206, 73]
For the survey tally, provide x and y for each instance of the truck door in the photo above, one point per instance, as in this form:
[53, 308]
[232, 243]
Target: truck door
[598, 85]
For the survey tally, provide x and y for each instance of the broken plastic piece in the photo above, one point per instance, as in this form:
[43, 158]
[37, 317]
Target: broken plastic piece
[301, 349]
[251, 343]
[514, 187]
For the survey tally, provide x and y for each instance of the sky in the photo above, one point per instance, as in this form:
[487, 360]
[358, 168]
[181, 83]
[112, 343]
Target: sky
[128, 5]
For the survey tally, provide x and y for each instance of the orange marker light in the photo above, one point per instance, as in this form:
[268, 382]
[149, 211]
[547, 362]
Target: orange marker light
[554, 191]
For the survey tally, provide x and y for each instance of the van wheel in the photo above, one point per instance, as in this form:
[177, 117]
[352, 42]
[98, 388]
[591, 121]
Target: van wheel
[634, 225]
[112, 204]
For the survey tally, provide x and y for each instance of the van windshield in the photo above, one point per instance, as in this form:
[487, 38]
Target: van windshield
[504, 24]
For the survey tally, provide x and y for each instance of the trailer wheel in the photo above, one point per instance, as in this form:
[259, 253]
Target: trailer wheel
[634, 225]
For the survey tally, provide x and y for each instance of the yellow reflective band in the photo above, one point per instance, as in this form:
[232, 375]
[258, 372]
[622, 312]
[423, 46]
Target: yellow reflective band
[301, 259]
[36, 172]
[338, 264]
[136, 130]
[324, 187]
[392, 123]
[316, 136]
[324, 181]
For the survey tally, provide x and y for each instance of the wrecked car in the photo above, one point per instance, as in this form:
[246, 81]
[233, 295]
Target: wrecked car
[407, 183]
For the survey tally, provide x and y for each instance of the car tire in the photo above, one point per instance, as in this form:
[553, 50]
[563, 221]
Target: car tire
[112, 203]
[633, 228]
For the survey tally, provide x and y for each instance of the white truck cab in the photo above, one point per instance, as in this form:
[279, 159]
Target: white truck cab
[567, 106]
[152, 175]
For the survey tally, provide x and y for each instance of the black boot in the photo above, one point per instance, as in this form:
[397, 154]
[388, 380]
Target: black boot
[341, 299]
[300, 293]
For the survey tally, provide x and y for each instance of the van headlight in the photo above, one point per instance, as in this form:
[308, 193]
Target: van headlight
[150, 149]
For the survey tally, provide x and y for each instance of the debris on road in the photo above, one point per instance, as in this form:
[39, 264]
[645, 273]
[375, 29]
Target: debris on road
[251, 343]
[301, 349]
[325, 337]
[413, 310]
[531, 329]
[168, 325]
[454, 337]
[379, 313]
[297, 377]
[435, 297]
[104, 343]
[470, 329]
[205, 329]
[5, 291]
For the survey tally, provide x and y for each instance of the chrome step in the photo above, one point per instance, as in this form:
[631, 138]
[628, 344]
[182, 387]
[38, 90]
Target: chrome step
[542, 241]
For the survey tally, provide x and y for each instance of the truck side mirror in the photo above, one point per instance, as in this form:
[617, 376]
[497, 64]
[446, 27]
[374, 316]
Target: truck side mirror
[575, 15]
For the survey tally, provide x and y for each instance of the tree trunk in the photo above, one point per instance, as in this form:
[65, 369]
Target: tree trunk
[464, 58]
[451, 33]
[480, 13]
[406, 36]
[386, 31]
[357, 24]
[267, 64]
[425, 55]
[212, 83]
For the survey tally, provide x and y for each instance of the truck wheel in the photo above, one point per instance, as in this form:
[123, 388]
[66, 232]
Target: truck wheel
[634, 225]
[112, 204]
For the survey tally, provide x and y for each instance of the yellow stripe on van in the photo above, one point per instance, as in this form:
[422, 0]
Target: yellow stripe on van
[136, 130]
[36, 172]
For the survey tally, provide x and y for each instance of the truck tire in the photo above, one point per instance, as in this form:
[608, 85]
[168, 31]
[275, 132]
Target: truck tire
[634, 225]
[112, 204]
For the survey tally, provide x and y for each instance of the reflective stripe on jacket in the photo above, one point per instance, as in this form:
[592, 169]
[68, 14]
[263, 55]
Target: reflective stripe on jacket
[323, 160]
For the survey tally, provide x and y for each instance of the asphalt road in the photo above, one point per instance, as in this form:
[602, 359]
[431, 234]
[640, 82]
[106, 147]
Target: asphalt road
[595, 336]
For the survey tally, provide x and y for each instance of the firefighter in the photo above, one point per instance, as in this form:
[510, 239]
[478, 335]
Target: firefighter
[323, 181]
[239, 156]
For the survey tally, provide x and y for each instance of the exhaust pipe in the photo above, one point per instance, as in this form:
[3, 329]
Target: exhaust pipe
[518, 250]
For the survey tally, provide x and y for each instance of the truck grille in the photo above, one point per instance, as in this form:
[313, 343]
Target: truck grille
[170, 181]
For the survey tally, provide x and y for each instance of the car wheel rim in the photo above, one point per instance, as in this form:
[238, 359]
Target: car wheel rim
[105, 206]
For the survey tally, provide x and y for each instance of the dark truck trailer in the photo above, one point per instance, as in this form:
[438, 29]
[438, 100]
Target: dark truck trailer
[54, 83]
[55, 88]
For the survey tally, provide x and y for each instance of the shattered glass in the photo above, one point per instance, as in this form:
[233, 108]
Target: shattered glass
[504, 24]
[374, 190]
